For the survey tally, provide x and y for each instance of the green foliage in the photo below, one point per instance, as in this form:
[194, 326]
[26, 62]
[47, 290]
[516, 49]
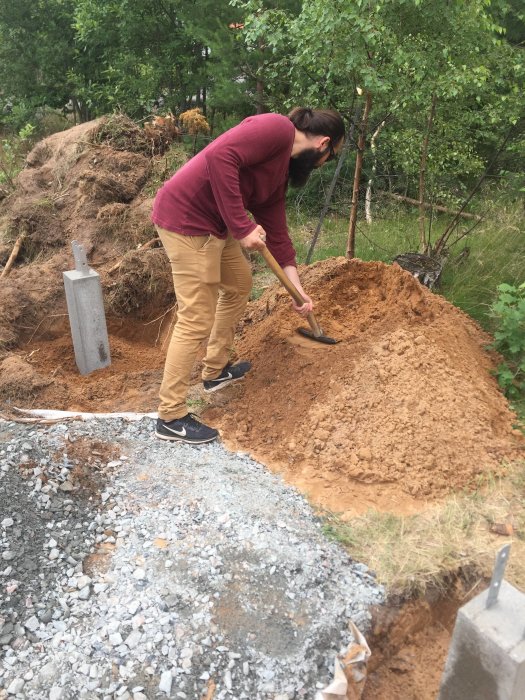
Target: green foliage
[12, 153]
[404, 52]
[232, 58]
[36, 52]
[509, 337]
[132, 54]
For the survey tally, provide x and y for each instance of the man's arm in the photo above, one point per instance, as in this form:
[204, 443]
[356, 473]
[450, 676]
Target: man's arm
[272, 217]
[291, 272]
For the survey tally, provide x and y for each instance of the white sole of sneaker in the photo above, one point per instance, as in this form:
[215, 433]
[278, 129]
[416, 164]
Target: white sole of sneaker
[174, 438]
[223, 385]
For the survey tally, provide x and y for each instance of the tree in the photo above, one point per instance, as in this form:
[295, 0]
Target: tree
[137, 52]
[408, 55]
[36, 52]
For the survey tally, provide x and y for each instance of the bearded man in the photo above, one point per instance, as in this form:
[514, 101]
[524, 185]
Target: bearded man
[201, 217]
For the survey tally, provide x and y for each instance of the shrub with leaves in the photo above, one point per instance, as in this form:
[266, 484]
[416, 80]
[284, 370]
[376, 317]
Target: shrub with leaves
[509, 312]
[12, 153]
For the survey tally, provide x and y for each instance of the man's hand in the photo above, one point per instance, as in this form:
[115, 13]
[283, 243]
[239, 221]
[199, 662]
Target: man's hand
[305, 309]
[256, 240]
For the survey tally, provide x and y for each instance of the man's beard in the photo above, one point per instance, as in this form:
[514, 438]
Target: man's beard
[301, 166]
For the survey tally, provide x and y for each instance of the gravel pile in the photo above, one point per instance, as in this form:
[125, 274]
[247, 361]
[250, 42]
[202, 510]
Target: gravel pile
[132, 568]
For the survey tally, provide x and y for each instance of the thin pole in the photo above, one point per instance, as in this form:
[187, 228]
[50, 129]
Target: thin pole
[329, 194]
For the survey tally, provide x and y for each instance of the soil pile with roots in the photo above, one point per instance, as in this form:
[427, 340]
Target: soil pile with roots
[403, 407]
[84, 184]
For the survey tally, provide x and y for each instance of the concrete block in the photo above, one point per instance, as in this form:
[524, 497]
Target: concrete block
[486, 659]
[87, 319]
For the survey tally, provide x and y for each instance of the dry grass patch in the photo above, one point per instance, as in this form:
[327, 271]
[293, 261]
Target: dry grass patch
[411, 553]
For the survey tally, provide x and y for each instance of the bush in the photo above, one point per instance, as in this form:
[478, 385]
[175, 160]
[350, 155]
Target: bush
[12, 153]
[509, 312]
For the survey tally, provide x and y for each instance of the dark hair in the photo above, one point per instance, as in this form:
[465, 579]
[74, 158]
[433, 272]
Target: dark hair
[321, 122]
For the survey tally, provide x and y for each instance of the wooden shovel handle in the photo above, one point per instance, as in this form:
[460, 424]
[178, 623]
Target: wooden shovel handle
[290, 288]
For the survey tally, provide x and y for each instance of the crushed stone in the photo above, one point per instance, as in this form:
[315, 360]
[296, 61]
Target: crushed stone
[173, 571]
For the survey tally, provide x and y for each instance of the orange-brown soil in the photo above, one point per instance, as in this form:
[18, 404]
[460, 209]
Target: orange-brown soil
[410, 641]
[402, 410]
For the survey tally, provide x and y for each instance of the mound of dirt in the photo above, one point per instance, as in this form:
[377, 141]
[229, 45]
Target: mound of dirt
[405, 403]
[83, 184]
[19, 381]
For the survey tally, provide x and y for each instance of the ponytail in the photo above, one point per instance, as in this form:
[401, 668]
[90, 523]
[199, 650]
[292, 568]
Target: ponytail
[321, 122]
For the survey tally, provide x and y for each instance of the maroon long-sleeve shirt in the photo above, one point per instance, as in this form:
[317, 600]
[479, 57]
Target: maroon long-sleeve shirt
[245, 168]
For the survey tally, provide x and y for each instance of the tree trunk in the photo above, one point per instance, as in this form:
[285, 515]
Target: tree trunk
[342, 155]
[423, 245]
[76, 110]
[260, 99]
[212, 121]
[350, 248]
[259, 86]
[368, 196]
[204, 89]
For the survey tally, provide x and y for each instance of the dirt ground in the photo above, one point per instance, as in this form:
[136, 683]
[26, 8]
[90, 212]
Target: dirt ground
[410, 643]
[401, 412]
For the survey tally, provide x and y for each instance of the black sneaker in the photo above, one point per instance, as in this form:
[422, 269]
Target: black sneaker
[187, 429]
[230, 374]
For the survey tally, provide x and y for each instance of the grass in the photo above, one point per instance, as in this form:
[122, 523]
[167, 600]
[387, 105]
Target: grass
[411, 554]
[197, 405]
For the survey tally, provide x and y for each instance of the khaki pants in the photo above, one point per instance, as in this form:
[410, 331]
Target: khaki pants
[212, 281]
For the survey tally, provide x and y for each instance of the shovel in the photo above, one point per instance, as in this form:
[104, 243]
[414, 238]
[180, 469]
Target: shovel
[314, 332]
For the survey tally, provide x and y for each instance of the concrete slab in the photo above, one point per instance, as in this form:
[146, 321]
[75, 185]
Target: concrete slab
[486, 659]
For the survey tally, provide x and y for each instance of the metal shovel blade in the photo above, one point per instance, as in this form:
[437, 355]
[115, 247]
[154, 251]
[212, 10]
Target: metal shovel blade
[308, 333]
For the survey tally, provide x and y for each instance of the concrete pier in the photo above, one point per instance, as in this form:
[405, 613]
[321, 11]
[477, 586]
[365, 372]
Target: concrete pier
[87, 319]
[486, 659]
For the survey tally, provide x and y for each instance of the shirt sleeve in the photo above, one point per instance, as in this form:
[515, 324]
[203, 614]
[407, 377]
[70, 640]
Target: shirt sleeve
[247, 145]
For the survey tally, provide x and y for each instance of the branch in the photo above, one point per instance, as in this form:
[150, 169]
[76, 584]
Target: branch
[440, 244]
[350, 247]
[427, 205]
[14, 254]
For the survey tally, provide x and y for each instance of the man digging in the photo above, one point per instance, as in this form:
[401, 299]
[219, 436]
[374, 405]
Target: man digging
[200, 216]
